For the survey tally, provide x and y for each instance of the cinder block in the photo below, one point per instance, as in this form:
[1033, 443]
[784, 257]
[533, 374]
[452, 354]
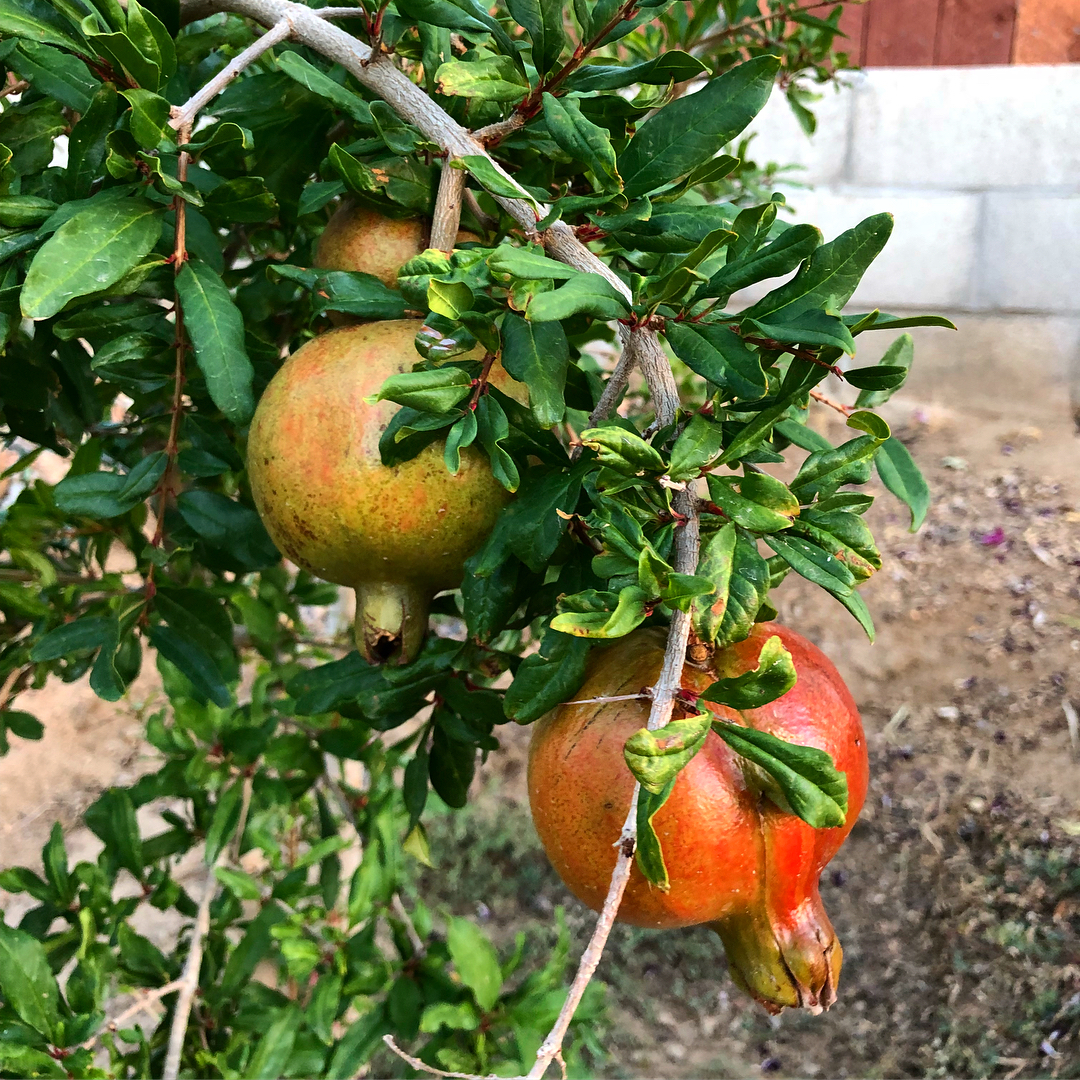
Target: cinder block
[930, 258]
[967, 128]
[821, 156]
[1031, 253]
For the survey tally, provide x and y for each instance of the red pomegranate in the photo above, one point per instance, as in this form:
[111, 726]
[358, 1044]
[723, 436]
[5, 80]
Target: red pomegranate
[735, 860]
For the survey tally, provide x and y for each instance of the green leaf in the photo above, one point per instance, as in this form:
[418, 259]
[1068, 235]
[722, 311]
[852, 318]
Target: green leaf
[144, 477]
[216, 329]
[86, 144]
[902, 477]
[38, 21]
[718, 354]
[693, 129]
[26, 983]
[63, 77]
[491, 78]
[355, 173]
[543, 22]
[476, 961]
[656, 757]
[805, 326]
[876, 320]
[546, 678]
[605, 74]
[89, 632]
[825, 470]
[275, 1045]
[761, 504]
[732, 615]
[623, 450]
[649, 857]
[773, 677]
[699, 445]
[430, 391]
[774, 260]
[91, 251]
[150, 120]
[828, 278]
[309, 76]
[245, 199]
[461, 435]
[538, 355]
[813, 562]
[584, 141]
[22, 725]
[528, 264]
[583, 294]
[459, 1017]
[193, 662]
[492, 178]
[807, 783]
[351, 292]
[451, 766]
[897, 361]
[450, 299]
[112, 820]
[628, 613]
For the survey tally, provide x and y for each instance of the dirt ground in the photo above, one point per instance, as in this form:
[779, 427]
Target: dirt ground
[957, 898]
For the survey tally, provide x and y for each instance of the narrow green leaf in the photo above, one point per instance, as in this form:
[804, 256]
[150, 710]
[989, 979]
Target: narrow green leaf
[543, 21]
[216, 329]
[275, 1045]
[648, 854]
[309, 76]
[194, 662]
[699, 445]
[89, 632]
[774, 260]
[606, 74]
[583, 140]
[546, 678]
[898, 357]
[718, 354]
[902, 477]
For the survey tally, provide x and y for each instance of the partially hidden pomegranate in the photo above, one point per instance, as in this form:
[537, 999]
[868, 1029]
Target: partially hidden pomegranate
[359, 239]
[735, 860]
[397, 535]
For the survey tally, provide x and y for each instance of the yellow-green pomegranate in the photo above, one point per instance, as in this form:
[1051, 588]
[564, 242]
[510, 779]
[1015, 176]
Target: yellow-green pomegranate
[397, 535]
[359, 239]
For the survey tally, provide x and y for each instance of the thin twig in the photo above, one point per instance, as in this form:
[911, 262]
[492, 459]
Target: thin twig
[189, 979]
[687, 543]
[146, 999]
[184, 116]
[423, 1066]
[844, 410]
[447, 217]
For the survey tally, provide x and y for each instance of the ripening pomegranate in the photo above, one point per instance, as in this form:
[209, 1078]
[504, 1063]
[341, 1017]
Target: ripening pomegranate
[735, 860]
[356, 238]
[397, 535]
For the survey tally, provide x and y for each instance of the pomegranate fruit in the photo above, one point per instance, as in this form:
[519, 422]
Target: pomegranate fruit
[397, 535]
[735, 860]
[359, 239]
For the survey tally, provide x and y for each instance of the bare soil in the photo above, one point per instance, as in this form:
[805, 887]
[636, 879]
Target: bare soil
[957, 898]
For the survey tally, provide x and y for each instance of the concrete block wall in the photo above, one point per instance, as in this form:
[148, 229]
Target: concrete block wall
[981, 168]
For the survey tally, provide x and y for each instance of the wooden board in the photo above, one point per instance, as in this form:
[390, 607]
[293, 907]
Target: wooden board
[901, 33]
[1047, 32]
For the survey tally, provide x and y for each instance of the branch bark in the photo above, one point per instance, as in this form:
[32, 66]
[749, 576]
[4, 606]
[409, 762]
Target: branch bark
[447, 217]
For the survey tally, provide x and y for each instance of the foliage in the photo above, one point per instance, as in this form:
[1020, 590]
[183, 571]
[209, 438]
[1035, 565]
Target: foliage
[144, 306]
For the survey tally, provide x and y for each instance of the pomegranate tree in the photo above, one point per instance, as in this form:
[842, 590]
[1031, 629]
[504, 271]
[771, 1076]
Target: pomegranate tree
[388, 297]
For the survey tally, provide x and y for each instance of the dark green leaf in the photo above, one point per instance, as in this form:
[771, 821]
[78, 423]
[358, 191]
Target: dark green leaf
[627, 611]
[699, 445]
[623, 450]
[691, 130]
[26, 982]
[897, 361]
[88, 253]
[650, 859]
[543, 21]
[38, 21]
[902, 477]
[112, 820]
[758, 505]
[451, 768]
[807, 783]
[194, 662]
[604, 74]
[537, 354]
[309, 76]
[89, 632]
[718, 354]
[217, 334]
[774, 260]
[547, 677]
[584, 141]
[245, 199]
[275, 1045]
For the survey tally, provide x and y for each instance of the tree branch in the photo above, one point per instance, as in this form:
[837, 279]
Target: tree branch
[185, 115]
[447, 217]
[189, 979]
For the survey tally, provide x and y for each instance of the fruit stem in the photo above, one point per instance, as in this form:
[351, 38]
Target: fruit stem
[391, 620]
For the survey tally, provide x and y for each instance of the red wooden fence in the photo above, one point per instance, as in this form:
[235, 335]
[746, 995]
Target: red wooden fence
[925, 33]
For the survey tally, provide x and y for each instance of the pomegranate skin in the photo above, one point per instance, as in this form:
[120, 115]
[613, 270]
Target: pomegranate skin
[395, 534]
[359, 239]
[734, 860]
